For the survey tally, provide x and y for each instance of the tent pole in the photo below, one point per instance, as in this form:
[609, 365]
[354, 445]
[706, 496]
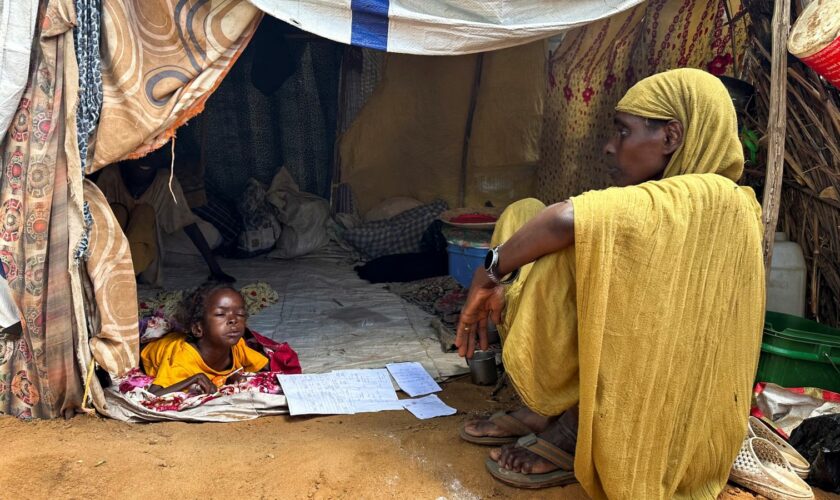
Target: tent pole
[465, 152]
[776, 127]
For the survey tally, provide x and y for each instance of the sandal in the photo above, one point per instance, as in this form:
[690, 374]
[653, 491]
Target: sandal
[504, 421]
[561, 477]
[762, 468]
[798, 463]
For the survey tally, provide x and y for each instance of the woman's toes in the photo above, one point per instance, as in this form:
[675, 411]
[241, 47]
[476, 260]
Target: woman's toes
[495, 454]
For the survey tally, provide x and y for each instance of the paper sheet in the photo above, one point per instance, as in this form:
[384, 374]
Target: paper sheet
[340, 392]
[413, 379]
[428, 407]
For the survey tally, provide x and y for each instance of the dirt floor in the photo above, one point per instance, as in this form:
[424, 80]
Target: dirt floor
[382, 455]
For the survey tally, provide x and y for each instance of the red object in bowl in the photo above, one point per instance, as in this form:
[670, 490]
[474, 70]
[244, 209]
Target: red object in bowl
[473, 219]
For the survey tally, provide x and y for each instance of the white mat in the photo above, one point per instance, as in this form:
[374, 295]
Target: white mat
[333, 319]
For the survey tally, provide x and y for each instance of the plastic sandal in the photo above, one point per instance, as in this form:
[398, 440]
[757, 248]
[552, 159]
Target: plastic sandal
[560, 477]
[797, 462]
[762, 468]
[504, 421]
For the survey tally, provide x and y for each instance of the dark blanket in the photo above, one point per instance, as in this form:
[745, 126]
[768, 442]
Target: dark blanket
[405, 267]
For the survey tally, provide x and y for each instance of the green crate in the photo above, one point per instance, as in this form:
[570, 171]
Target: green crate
[796, 352]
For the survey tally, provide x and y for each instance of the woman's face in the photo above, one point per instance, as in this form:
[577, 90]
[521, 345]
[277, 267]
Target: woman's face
[639, 149]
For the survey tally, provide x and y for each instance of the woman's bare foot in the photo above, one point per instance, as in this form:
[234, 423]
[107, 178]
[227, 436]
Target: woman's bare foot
[483, 427]
[562, 433]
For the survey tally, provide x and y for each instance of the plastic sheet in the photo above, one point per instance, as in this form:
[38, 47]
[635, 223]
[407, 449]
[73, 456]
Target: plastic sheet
[440, 27]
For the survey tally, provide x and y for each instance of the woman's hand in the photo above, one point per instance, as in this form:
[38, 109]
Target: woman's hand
[485, 300]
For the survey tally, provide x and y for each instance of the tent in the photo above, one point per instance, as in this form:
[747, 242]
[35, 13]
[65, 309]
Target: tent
[115, 79]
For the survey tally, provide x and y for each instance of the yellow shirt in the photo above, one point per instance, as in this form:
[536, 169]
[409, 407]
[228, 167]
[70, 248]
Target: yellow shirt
[171, 359]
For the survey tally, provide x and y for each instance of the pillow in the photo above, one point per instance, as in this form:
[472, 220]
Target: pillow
[391, 208]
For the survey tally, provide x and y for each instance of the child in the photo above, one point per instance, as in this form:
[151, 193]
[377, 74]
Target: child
[212, 350]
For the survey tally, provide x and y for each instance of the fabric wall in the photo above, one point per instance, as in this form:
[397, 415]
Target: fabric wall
[408, 138]
[39, 374]
[246, 133]
[161, 60]
[596, 64]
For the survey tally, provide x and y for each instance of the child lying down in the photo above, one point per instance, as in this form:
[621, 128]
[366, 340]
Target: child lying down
[213, 352]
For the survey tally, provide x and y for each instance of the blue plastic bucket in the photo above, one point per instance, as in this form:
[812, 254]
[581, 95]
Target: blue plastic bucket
[463, 261]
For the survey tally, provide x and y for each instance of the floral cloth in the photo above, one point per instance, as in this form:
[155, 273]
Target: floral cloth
[135, 386]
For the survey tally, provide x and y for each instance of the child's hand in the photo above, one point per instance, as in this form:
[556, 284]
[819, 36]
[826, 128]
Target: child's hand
[235, 378]
[201, 384]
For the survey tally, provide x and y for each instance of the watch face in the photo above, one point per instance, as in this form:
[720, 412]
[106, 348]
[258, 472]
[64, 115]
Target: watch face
[488, 260]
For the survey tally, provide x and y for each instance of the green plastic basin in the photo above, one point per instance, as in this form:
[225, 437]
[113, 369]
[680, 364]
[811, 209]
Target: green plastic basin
[796, 352]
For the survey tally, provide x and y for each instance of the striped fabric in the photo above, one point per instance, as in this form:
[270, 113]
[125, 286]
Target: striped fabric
[116, 337]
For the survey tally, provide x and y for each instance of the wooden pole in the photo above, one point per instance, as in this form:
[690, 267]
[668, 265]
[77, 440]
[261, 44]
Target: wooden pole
[776, 127]
[465, 152]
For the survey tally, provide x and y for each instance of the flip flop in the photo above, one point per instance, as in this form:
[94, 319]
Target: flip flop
[504, 421]
[545, 450]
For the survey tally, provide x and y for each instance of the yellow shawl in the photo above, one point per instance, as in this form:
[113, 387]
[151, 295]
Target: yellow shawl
[658, 335]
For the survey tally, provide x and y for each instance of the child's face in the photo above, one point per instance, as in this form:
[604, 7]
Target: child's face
[224, 319]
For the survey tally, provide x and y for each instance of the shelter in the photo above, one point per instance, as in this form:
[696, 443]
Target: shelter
[469, 104]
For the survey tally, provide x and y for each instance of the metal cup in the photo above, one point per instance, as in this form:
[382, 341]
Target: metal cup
[483, 368]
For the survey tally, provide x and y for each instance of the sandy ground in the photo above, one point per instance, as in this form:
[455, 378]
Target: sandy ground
[384, 455]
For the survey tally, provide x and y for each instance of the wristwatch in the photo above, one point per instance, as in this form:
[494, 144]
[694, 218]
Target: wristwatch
[491, 267]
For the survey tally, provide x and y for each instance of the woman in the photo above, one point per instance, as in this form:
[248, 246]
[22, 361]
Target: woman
[638, 310]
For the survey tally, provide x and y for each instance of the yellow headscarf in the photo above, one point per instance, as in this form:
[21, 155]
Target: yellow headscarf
[702, 104]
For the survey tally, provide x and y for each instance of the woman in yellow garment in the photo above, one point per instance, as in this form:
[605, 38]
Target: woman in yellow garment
[638, 309]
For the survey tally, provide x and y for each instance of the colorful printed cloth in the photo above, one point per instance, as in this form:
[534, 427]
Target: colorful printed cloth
[39, 372]
[135, 385]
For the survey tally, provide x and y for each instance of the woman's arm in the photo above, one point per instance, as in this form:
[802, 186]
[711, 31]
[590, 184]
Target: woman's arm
[550, 231]
[204, 383]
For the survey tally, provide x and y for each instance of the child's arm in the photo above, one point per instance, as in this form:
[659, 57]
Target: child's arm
[205, 385]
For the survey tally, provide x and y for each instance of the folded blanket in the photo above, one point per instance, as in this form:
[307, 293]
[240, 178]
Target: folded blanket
[260, 394]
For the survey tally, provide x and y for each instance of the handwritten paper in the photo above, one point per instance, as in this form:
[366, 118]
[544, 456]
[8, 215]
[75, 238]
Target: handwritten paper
[428, 407]
[340, 392]
[413, 379]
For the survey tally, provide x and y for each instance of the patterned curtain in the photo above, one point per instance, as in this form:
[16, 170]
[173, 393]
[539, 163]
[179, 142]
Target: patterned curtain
[161, 60]
[596, 64]
[39, 375]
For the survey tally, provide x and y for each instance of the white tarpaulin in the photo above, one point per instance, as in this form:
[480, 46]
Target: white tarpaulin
[440, 27]
[17, 24]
